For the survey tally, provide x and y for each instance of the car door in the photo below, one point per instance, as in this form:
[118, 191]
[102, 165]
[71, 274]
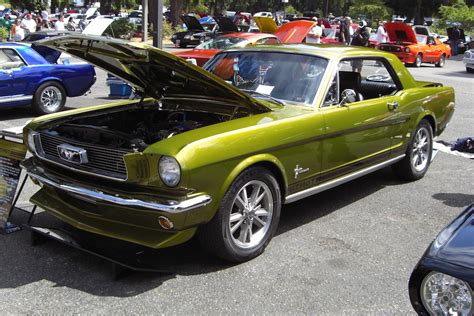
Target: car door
[433, 51]
[360, 133]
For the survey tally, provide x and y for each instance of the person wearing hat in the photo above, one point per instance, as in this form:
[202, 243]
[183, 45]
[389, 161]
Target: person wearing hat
[314, 36]
[28, 23]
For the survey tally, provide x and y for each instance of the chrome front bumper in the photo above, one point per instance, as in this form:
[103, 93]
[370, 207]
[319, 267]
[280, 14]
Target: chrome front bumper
[91, 194]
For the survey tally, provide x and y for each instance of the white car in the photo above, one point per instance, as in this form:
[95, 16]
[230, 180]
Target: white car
[469, 60]
[267, 14]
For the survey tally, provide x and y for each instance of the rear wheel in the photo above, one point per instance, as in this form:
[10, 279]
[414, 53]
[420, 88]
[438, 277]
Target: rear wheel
[247, 217]
[442, 61]
[50, 97]
[471, 70]
[418, 154]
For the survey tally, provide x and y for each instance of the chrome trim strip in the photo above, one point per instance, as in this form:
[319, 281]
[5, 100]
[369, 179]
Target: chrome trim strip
[168, 206]
[333, 183]
[15, 98]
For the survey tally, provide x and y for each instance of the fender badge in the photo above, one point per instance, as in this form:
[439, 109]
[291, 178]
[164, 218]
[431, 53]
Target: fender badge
[298, 170]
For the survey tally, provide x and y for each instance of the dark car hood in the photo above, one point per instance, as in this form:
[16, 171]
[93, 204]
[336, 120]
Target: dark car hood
[455, 243]
[400, 32]
[225, 24]
[192, 23]
[153, 71]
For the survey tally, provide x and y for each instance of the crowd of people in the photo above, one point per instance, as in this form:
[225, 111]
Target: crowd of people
[19, 27]
[347, 33]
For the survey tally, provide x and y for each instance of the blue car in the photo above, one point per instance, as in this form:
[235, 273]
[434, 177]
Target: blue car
[30, 75]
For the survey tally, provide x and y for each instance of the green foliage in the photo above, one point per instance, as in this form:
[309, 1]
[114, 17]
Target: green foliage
[4, 33]
[373, 10]
[169, 30]
[121, 29]
[23, 4]
[458, 12]
[289, 9]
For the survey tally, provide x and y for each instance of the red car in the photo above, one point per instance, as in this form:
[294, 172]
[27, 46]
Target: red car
[414, 49]
[291, 32]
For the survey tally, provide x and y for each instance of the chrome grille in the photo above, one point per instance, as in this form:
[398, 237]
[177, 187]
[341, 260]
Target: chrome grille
[101, 160]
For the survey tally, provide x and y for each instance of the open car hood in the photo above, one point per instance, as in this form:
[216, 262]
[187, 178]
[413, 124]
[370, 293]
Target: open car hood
[400, 32]
[291, 32]
[191, 23]
[154, 72]
[266, 24]
[226, 24]
[97, 26]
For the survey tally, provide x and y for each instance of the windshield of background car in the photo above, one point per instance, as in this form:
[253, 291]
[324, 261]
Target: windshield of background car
[329, 32]
[292, 78]
[421, 39]
[221, 42]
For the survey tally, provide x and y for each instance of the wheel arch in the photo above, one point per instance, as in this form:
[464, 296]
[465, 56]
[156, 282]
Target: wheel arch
[267, 161]
[53, 79]
[431, 119]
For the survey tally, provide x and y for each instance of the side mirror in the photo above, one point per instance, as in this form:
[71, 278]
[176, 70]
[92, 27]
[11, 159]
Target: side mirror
[348, 96]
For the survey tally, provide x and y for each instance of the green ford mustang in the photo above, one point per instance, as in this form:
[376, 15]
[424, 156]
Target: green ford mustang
[216, 153]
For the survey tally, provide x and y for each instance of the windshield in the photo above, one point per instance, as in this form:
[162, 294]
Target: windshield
[287, 77]
[330, 33]
[221, 42]
[421, 39]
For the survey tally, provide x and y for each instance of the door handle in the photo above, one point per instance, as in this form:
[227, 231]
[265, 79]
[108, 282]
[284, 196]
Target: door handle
[393, 106]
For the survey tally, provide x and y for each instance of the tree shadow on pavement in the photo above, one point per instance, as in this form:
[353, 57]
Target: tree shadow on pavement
[455, 199]
[65, 266]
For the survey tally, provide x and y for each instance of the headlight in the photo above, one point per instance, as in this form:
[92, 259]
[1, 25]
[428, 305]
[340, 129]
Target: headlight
[442, 294]
[407, 49]
[170, 171]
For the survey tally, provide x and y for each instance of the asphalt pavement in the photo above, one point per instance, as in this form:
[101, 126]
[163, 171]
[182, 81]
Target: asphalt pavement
[348, 250]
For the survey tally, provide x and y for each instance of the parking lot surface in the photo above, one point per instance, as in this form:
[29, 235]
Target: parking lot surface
[348, 250]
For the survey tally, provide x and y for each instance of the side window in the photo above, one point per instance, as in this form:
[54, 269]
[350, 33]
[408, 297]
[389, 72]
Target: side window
[332, 97]
[369, 78]
[10, 59]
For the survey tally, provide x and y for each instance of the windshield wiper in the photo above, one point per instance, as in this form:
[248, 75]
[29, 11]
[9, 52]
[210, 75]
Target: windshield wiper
[281, 102]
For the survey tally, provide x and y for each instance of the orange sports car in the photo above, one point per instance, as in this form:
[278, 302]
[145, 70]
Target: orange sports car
[291, 32]
[414, 49]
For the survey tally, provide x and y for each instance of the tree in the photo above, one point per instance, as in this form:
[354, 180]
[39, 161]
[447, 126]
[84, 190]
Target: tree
[371, 9]
[458, 12]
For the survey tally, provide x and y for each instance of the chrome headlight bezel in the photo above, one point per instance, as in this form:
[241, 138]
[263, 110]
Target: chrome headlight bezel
[169, 171]
[436, 283]
[31, 141]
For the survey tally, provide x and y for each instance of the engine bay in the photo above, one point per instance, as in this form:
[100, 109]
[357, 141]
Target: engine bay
[133, 129]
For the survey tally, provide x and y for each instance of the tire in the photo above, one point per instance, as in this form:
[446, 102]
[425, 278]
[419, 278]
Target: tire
[227, 234]
[441, 62]
[418, 61]
[417, 160]
[470, 70]
[50, 97]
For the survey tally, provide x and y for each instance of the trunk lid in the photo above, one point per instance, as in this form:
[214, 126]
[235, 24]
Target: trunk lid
[152, 71]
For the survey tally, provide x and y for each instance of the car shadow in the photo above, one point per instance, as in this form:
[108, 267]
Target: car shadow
[455, 199]
[65, 266]
[463, 74]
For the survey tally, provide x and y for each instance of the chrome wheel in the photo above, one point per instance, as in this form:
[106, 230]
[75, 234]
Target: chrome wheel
[51, 98]
[420, 149]
[251, 214]
[418, 61]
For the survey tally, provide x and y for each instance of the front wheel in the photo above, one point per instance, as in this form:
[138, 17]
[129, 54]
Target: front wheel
[441, 62]
[50, 97]
[247, 217]
[418, 61]
[418, 154]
